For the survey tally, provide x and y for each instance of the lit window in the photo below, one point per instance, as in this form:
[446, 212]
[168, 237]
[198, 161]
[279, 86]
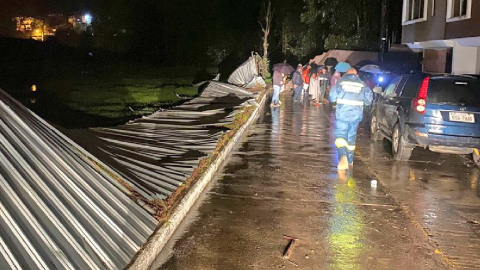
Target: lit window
[414, 11]
[459, 10]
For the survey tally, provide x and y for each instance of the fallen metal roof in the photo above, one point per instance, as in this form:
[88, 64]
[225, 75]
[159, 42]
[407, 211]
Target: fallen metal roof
[57, 210]
[157, 153]
[246, 75]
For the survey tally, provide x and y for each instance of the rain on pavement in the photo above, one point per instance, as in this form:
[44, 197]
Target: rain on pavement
[282, 180]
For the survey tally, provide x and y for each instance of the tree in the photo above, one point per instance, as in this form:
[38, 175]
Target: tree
[351, 24]
[268, 16]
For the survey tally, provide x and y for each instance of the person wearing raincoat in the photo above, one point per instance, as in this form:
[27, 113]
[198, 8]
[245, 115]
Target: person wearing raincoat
[314, 87]
[351, 95]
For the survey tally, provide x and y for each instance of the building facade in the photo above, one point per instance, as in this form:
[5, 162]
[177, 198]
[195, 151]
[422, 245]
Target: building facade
[446, 31]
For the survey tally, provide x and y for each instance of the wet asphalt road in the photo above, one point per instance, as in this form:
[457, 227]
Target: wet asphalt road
[282, 180]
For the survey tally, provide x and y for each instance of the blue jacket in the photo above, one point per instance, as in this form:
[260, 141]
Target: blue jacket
[351, 94]
[297, 78]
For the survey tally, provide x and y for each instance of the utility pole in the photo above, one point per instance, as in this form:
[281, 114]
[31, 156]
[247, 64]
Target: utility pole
[383, 31]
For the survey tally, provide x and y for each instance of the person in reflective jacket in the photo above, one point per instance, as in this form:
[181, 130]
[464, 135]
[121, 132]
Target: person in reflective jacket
[351, 95]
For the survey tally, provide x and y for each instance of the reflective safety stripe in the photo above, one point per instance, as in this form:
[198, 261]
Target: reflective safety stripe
[349, 102]
[353, 87]
[341, 142]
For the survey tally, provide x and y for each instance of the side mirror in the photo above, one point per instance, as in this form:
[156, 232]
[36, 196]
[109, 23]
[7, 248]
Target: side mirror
[377, 89]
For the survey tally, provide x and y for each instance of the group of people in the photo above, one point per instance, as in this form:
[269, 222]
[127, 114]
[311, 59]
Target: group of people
[313, 84]
[349, 93]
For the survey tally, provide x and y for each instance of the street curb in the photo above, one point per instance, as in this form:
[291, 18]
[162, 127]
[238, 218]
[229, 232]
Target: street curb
[162, 234]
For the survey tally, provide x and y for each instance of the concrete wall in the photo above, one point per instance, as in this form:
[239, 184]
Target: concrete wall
[465, 28]
[437, 60]
[431, 29]
[465, 60]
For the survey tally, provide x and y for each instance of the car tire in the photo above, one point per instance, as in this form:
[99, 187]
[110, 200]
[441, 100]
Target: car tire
[374, 130]
[400, 150]
[476, 158]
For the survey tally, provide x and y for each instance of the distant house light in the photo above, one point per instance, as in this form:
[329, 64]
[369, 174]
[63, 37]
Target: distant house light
[87, 18]
[459, 10]
[414, 11]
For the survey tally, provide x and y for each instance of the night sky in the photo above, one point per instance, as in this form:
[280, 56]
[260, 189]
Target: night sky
[179, 30]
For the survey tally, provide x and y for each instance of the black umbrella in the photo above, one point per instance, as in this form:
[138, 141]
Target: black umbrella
[283, 68]
[313, 67]
[331, 61]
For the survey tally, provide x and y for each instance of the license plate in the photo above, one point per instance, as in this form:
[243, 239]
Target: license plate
[462, 117]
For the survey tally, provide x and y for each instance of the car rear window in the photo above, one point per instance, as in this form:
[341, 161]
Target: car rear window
[455, 91]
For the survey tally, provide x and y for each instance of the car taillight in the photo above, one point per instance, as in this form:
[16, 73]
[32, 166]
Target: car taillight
[420, 103]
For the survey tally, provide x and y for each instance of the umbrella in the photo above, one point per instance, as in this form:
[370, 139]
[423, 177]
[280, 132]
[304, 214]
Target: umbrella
[283, 68]
[373, 69]
[342, 67]
[331, 61]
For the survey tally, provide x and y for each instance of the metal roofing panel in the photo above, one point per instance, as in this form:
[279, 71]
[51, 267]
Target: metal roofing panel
[56, 209]
[244, 73]
[150, 153]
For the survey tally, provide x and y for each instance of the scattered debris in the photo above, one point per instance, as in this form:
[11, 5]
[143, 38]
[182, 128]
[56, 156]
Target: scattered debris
[292, 262]
[470, 221]
[288, 249]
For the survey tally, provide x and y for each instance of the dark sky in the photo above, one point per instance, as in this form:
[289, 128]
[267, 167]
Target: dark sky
[42, 7]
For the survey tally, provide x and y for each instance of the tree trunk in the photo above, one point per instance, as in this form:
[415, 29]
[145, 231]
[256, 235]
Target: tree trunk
[266, 33]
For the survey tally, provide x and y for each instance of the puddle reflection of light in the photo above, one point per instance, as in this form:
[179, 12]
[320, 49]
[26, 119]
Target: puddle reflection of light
[474, 180]
[430, 215]
[346, 227]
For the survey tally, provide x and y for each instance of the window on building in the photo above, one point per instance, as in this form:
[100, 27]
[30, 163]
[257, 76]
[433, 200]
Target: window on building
[459, 9]
[433, 8]
[414, 10]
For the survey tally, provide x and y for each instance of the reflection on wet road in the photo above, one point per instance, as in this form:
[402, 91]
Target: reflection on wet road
[282, 180]
[439, 193]
[346, 226]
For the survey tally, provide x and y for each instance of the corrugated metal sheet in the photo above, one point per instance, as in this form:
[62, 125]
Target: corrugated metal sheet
[57, 211]
[256, 82]
[246, 75]
[157, 153]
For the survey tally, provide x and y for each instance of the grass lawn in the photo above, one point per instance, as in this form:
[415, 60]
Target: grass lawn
[122, 93]
[86, 97]
[78, 88]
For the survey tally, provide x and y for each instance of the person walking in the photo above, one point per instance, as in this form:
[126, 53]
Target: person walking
[297, 83]
[277, 86]
[351, 95]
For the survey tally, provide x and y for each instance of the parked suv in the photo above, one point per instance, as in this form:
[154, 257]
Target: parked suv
[439, 112]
